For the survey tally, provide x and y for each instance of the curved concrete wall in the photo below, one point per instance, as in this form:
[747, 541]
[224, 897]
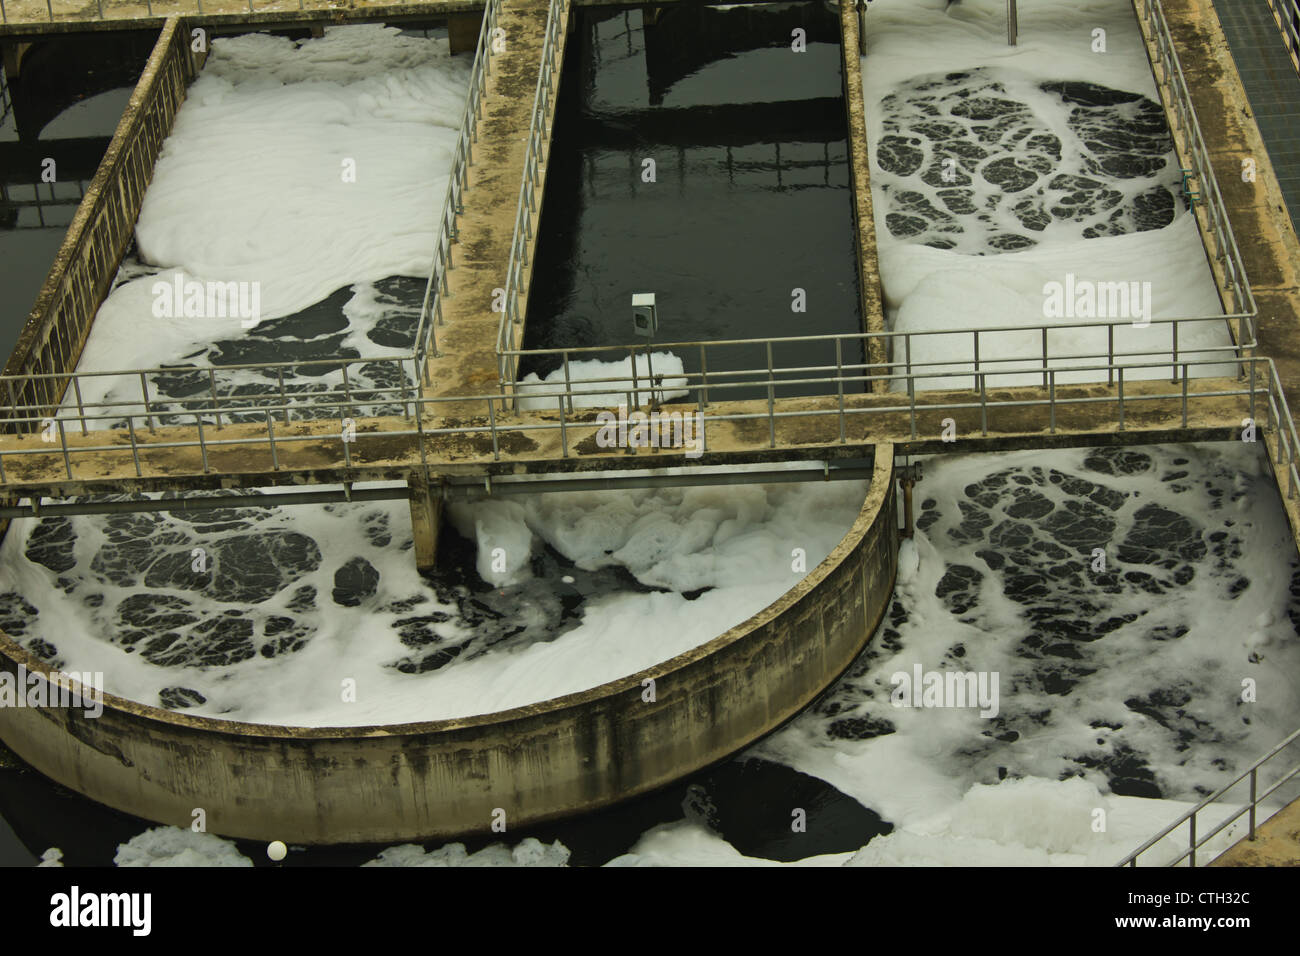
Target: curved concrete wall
[445, 778]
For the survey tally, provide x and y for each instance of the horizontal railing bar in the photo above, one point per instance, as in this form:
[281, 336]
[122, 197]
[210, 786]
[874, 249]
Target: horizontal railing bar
[207, 503]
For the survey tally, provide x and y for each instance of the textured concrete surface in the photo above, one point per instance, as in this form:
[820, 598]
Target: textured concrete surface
[468, 339]
[34, 16]
[1276, 843]
[870, 294]
[1272, 87]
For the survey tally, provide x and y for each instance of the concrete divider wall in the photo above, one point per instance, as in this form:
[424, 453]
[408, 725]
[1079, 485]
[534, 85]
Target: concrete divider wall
[100, 233]
[870, 295]
[446, 778]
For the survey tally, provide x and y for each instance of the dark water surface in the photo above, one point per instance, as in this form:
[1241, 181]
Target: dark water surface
[64, 105]
[751, 196]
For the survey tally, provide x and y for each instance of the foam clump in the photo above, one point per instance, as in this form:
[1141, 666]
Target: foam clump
[588, 376]
[173, 846]
[909, 561]
[504, 542]
[1056, 816]
[528, 852]
[1025, 822]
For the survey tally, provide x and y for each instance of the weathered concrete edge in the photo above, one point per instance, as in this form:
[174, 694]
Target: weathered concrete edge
[267, 19]
[445, 778]
[544, 168]
[393, 12]
[871, 297]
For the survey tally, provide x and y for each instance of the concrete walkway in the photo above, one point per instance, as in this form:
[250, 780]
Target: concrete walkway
[467, 339]
[1272, 87]
[385, 449]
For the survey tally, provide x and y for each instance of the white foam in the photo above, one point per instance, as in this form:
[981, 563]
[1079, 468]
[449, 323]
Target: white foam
[930, 776]
[173, 846]
[598, 384]
[741, 542]
[689, 843]
[927, 288]
[529, 852]
[250, 184]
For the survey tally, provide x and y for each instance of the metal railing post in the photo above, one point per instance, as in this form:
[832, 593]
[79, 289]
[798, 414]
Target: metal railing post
[1045, 355]
[1051, 401]
[1185, 395]
[564, 432]
[1254, 799]
[1121, 398]
[771, 399]
[63, 443]
[839, 385]
[270, 434]
[568, 385]
[704, 378]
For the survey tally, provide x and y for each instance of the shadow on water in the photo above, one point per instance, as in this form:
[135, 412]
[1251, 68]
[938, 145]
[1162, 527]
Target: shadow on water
[750, 197]
[749, 803]
[63, 106]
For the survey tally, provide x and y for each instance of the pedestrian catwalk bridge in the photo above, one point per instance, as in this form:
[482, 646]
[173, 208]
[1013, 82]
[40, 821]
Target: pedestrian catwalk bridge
[454, 417]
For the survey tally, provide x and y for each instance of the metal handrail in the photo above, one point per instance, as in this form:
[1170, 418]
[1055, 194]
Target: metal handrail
[511, 319]
[1258, 379]
[426, 335]
[411, 367]
[1195, 842]
[1286, 14]
[1246, 335]
[405, 369]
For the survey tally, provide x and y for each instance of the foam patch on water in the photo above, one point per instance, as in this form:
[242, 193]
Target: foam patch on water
[252, 186]
[997, 170]
[1036, 822]
[597, 384]
[528, 852]
[1133, 679]
[690, 843]
[281, 611]
[255, 186]
[174, 846]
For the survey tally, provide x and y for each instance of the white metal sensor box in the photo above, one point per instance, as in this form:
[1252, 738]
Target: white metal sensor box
[645, 318]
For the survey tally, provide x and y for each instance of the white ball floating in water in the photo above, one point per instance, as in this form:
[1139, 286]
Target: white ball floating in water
[277, 851]
[566, 579]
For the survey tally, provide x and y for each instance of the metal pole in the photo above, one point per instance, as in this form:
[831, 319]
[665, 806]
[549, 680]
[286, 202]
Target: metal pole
[1013, 24]
[1253, 799]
